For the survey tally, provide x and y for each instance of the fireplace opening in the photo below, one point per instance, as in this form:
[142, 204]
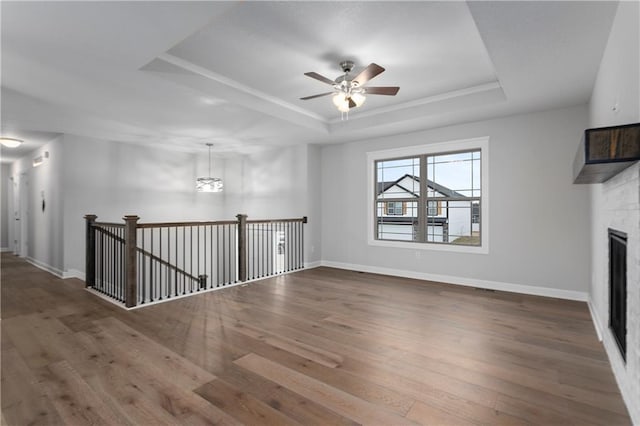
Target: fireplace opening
[618, 288]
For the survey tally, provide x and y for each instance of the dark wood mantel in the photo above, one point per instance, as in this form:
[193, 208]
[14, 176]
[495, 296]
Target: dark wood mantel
[605, 152]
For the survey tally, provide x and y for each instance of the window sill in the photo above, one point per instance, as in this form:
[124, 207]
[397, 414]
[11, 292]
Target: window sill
[431, 246]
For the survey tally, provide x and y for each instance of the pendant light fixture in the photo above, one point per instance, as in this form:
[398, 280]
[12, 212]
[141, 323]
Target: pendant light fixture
[209, 184]
[11, 142]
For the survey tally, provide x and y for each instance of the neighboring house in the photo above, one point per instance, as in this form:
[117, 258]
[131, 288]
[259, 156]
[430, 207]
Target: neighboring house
[447, 219]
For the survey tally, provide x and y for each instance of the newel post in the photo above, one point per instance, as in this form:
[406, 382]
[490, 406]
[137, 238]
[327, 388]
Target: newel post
[242, 247]
[130, 257]
[90, 251]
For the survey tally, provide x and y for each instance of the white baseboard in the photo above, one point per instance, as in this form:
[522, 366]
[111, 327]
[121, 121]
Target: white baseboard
[45, 267]
[469, 282]
[595, 319]
[311, 265]
[74, 273]
[71, 273]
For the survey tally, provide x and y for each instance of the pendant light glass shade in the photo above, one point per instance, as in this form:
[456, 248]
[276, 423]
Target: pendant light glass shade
[11, 142]
[358, 98]
[209, 184]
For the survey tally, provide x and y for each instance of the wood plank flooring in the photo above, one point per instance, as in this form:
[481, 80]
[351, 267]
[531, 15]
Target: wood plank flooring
[318, 347]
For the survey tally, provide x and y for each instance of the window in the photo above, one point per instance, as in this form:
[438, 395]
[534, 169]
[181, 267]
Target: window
[395, 208]
[434, 194]
[434, 208]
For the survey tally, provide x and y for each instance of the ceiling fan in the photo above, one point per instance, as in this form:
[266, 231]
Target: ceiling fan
[350, 92]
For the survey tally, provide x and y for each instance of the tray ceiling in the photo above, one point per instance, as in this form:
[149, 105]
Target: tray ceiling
[181, 74]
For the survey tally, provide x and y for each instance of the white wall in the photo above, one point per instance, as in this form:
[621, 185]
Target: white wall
[313, 229]
[45, 237]
[114, 179]
[279, 183]
[5, 213]
[111, 179]
[616, 203]
[539, 219]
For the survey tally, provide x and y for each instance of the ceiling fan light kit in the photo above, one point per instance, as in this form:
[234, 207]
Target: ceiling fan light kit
[350, 92]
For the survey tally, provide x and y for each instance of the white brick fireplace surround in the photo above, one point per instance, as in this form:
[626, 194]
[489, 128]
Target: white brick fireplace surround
[616, 205]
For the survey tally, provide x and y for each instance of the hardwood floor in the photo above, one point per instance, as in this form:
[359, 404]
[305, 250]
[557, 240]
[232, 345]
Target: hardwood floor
[318, 347]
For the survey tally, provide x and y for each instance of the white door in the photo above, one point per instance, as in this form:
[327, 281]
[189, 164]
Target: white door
[20, 211]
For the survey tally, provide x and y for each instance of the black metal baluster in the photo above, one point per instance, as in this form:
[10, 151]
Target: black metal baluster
[211, 256]
[191, 256]
[159, 263]
[151, 268]
[175, 279]
[289, 246]
[143, 265]
[184, 259]
[168, 262]
[224, 255]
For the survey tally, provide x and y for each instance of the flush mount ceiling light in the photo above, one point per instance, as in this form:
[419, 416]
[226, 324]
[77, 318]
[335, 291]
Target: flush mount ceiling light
[209, 184]
[350, 92]
[11, 142]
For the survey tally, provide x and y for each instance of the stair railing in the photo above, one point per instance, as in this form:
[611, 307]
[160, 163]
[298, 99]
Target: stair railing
[138, 263]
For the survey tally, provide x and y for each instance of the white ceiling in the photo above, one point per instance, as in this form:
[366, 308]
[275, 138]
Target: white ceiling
[180, 74]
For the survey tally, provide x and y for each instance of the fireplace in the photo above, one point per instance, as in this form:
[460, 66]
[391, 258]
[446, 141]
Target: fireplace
[618, 288]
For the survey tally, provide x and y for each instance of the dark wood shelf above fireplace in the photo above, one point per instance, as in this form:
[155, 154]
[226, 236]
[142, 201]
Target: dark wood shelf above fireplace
[604, 152]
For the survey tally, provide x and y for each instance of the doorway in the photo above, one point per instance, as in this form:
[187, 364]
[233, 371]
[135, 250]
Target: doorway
[20, 205]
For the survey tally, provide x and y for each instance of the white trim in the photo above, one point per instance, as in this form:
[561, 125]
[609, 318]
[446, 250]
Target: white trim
[74, 273]
[71, 273]
[45, 267]
[428, 246]
[486, 87]
[595, 318]
[469, 282]
[311, 265]
[179, 62]
[456, 145]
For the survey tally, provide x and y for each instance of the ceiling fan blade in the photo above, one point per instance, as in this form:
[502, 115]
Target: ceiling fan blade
[319, 77]
[316, 96]
[368, 73]
[391, 91]
[352, 104]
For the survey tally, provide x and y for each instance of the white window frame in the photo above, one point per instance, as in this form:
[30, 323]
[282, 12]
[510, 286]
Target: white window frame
[481, 143]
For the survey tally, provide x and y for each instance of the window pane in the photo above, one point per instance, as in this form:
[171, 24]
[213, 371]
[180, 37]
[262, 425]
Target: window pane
[457, 226]
[398, 178]
[401, 225]
[450, 174]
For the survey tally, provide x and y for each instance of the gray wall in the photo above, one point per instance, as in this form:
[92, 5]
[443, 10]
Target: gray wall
[5, 213]
[277, 183]
[616, 203]
[113, 179]
[539, 221]
[44, 239]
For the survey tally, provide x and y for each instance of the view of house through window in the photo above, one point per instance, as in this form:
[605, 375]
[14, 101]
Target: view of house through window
[443, 207]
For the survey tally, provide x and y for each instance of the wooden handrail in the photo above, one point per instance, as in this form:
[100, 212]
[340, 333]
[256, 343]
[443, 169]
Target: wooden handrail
[111, 224]
[181, 224]
[299, 219]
